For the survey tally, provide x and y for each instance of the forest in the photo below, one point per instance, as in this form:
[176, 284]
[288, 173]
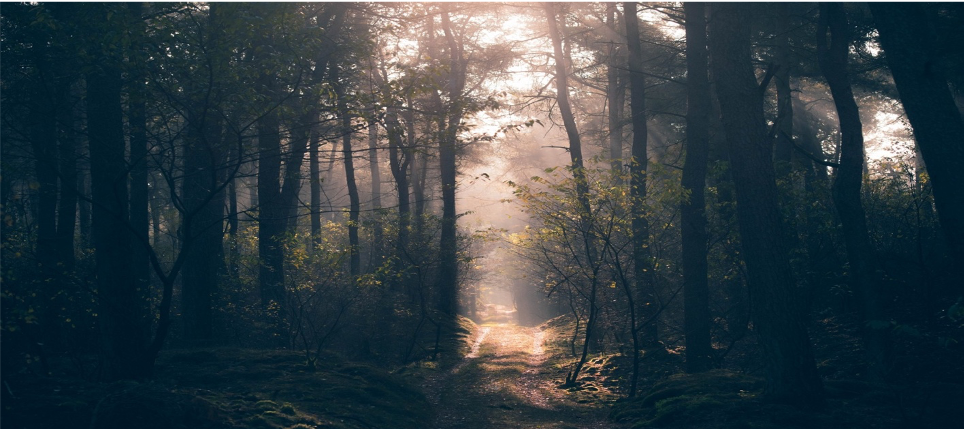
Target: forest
[481, 215]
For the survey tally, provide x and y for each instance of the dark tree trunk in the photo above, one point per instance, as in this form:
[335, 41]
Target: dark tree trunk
[83, 209]
[6, 190]
[122, 315]
[783, 145]
[696, 294]
[139, 192]
[910, 45]
[419, 171]
[202, 224]
[377, 230]
[833, 48]
[314, 184]
[398, 160]
[202, 217]
[354, 207]
[643, 274]
[67, 206]
[447, 283]
[791, 372]
[271, 221]
[579, 176]
[616, 97]
[42, 120]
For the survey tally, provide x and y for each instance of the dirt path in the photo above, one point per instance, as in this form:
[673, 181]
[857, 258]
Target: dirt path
[508, 381]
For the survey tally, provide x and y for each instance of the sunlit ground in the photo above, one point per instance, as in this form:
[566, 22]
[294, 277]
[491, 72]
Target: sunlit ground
[510, 379]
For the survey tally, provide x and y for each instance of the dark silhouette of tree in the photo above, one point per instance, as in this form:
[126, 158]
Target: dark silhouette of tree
[778, 317]
[910, 40]
[696, 297]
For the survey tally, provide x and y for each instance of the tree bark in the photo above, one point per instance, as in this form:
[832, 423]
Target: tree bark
[643, 274]
[447, 283]
[377, 230]
[781, 323]
[354, 207]
[696, 294]
[139, 191]
[616, 97]
[122, 315]
[833, 49]
[203, 195]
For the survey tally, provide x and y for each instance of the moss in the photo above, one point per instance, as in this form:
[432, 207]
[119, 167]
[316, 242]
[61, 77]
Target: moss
[692, 400]
[266, 405]
[288, 409]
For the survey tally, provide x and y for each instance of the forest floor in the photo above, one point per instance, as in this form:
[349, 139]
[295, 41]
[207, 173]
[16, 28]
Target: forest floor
[511, 377]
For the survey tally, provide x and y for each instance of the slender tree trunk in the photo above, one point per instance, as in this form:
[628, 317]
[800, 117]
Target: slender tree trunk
[791, 372]
[43, 139]
[616, 97]
[377, 231]
[398, 159]
[419, 170]
[349, 159]
[314, 183]
[83, 208]
[783, 145]
[696, 294]
[67, 207]
[910, 44]
[643, 274]
[833, 48]
[271, 223]
[139, 192]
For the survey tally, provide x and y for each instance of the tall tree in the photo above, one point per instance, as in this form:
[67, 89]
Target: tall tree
[778, 317]
[696, 299]
[833, 49]
[616, 95]
[447, 283]
[122, 314]
[578, 169]
[910, 42]
[643, 274]
[354, 203]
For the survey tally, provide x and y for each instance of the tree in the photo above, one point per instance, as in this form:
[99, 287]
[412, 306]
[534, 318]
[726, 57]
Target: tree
[781, 323]
[643, 275]
[699, 350]
[833, 49]
[910, 41]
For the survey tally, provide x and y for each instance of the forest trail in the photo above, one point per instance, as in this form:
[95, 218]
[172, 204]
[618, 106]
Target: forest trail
[508, 380]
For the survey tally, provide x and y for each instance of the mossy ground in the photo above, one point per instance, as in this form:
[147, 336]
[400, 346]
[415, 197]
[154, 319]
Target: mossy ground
[224, 388]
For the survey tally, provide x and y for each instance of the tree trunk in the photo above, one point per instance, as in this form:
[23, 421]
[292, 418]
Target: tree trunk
[447, 283]
[271, 223]
[783, 144]
[616, 97]
[696, 294]
[122, 315]
[139, 192]
[791, 372]
[910, 45]
[833, 48]
[202, 192]
[643, 274]
[377, 231]
[354, 207]
[314, 183]
[398, 160]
